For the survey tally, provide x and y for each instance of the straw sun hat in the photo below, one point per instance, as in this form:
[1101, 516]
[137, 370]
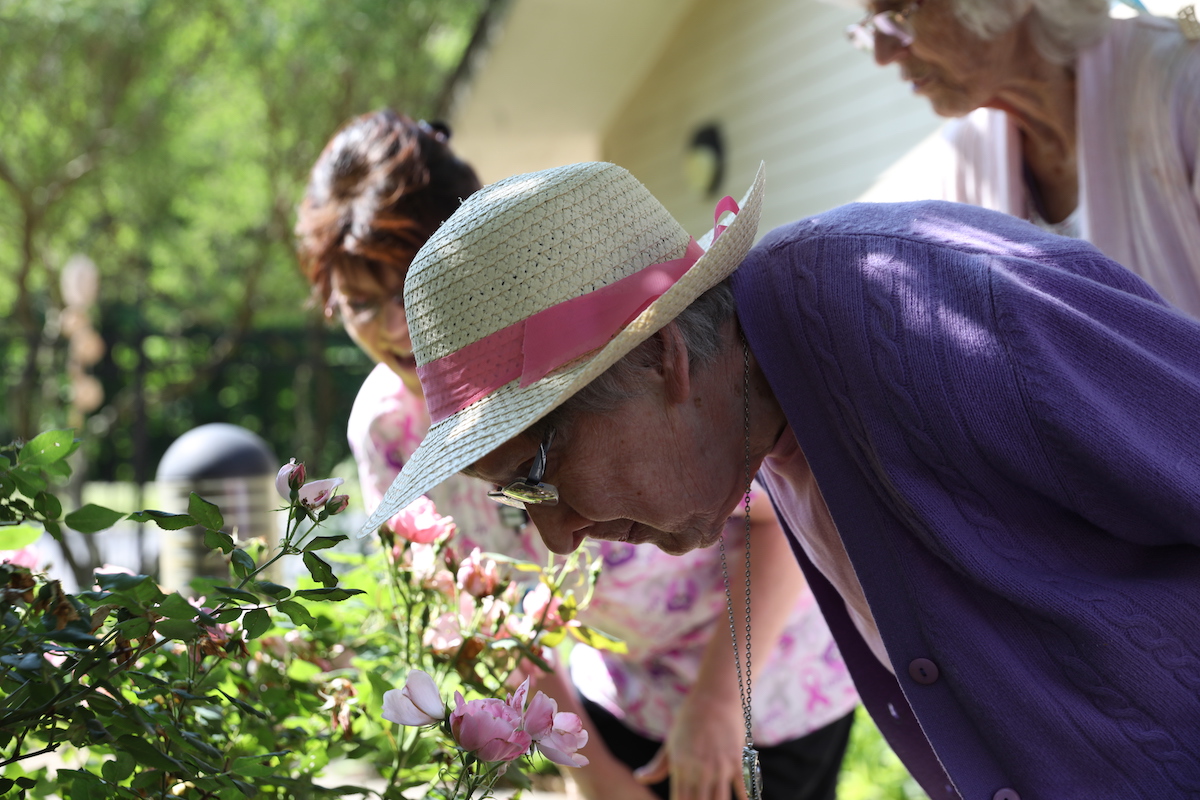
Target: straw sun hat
[518, 301]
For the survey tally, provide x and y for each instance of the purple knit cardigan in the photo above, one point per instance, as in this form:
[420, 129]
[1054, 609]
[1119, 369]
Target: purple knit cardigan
[1005, 426]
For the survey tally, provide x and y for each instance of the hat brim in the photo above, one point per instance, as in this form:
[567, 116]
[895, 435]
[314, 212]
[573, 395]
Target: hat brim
[466, 436]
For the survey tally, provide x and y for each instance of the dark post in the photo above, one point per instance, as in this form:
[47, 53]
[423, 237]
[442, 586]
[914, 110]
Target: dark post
[227, 465]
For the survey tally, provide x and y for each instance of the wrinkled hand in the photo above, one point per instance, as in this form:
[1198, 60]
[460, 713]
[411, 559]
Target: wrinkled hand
[702, 754]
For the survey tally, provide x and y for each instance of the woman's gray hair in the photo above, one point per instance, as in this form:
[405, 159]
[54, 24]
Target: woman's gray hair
[1060, 28]
[700, 326]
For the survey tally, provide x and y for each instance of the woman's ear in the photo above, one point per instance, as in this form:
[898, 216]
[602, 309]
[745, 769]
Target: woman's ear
[674, 368]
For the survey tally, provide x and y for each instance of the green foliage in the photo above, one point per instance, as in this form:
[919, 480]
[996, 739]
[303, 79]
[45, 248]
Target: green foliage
[871, 770]
[170, 142]
[253, 689]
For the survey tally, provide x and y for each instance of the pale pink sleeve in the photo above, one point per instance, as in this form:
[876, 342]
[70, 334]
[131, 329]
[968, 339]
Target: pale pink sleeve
[385, 427]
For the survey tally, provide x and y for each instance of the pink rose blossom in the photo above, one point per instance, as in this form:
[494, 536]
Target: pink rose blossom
[291, 476]
[337, 504]
[418, 703]
[494, 617]
[558, 735]
[420, 558]
[543, 608]
[419, 522]
[478, 576]
[444, 635]
[26, 557]
[489, 728]
[317, 493]
[441, 581]
[564, 739]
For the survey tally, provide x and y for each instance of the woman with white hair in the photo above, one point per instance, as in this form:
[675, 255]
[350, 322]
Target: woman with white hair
[1087, 125]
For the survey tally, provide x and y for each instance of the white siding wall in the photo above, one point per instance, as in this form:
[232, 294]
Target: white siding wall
[552, 76]
[785, 87]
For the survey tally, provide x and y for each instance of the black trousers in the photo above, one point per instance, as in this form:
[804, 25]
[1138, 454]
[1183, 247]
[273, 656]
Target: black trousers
[800, 769]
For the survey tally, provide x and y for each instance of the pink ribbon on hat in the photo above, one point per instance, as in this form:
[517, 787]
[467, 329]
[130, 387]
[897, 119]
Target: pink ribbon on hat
[532, 348]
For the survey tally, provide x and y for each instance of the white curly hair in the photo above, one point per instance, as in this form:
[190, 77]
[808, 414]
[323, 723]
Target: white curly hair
[1060, 28]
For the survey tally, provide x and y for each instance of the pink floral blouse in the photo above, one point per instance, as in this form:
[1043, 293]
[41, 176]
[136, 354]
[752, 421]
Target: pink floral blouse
[664, 607]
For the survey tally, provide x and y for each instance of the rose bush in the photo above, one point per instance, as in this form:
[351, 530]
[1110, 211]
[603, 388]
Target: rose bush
[254, 689]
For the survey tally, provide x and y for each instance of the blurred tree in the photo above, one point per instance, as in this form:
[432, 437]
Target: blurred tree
[169, 142]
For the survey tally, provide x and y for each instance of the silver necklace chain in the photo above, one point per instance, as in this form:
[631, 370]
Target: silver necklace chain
[751, 771]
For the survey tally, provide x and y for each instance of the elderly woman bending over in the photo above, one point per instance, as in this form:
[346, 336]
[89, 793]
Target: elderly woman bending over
[668, 706]
[1087, 125]
[981, 438]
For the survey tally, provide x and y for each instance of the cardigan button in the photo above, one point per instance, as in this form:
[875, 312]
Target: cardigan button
[925, 672]
[1006, 794]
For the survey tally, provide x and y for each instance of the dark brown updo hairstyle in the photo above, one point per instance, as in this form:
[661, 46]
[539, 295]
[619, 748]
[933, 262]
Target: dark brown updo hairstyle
[378, 191]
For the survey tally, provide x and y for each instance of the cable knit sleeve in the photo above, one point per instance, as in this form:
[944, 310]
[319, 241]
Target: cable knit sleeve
[1110, 382]
[1008, 357]
[1003, 424]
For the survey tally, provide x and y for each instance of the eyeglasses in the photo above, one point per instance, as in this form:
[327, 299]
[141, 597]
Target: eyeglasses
[531, 490]
[362, 312]
[894, 24]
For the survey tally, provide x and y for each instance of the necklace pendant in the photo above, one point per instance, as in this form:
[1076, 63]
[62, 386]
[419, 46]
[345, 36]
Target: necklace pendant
[751, 773]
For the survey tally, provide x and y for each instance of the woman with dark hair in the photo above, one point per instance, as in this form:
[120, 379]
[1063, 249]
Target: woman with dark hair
[379, 190]
[670, 706]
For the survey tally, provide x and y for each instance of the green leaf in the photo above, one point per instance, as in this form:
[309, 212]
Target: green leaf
[320, 570]
[204, 747]
[59, 470]
[181, 629]
[245, 788]
[145, 753]
[243, 564]
[205, 512]
[228, 614]
[176, 606]
[84, 785]
[325, 542]
[237, 594]
[73, 633]
[54, 529]
[140, 587]
[256, 622]
[14, 537]
[28, 481]
[47, 505]
[272, 589]
[119, 768]
[148, 678]
[91, 518]
[246, 709]
[597, 639]
[48, 447]
[379, 685]
[25, 662]
[164, 520]
[520, 563]
[134, 628]
[297, 613]
[219, 540]
[334, 595]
